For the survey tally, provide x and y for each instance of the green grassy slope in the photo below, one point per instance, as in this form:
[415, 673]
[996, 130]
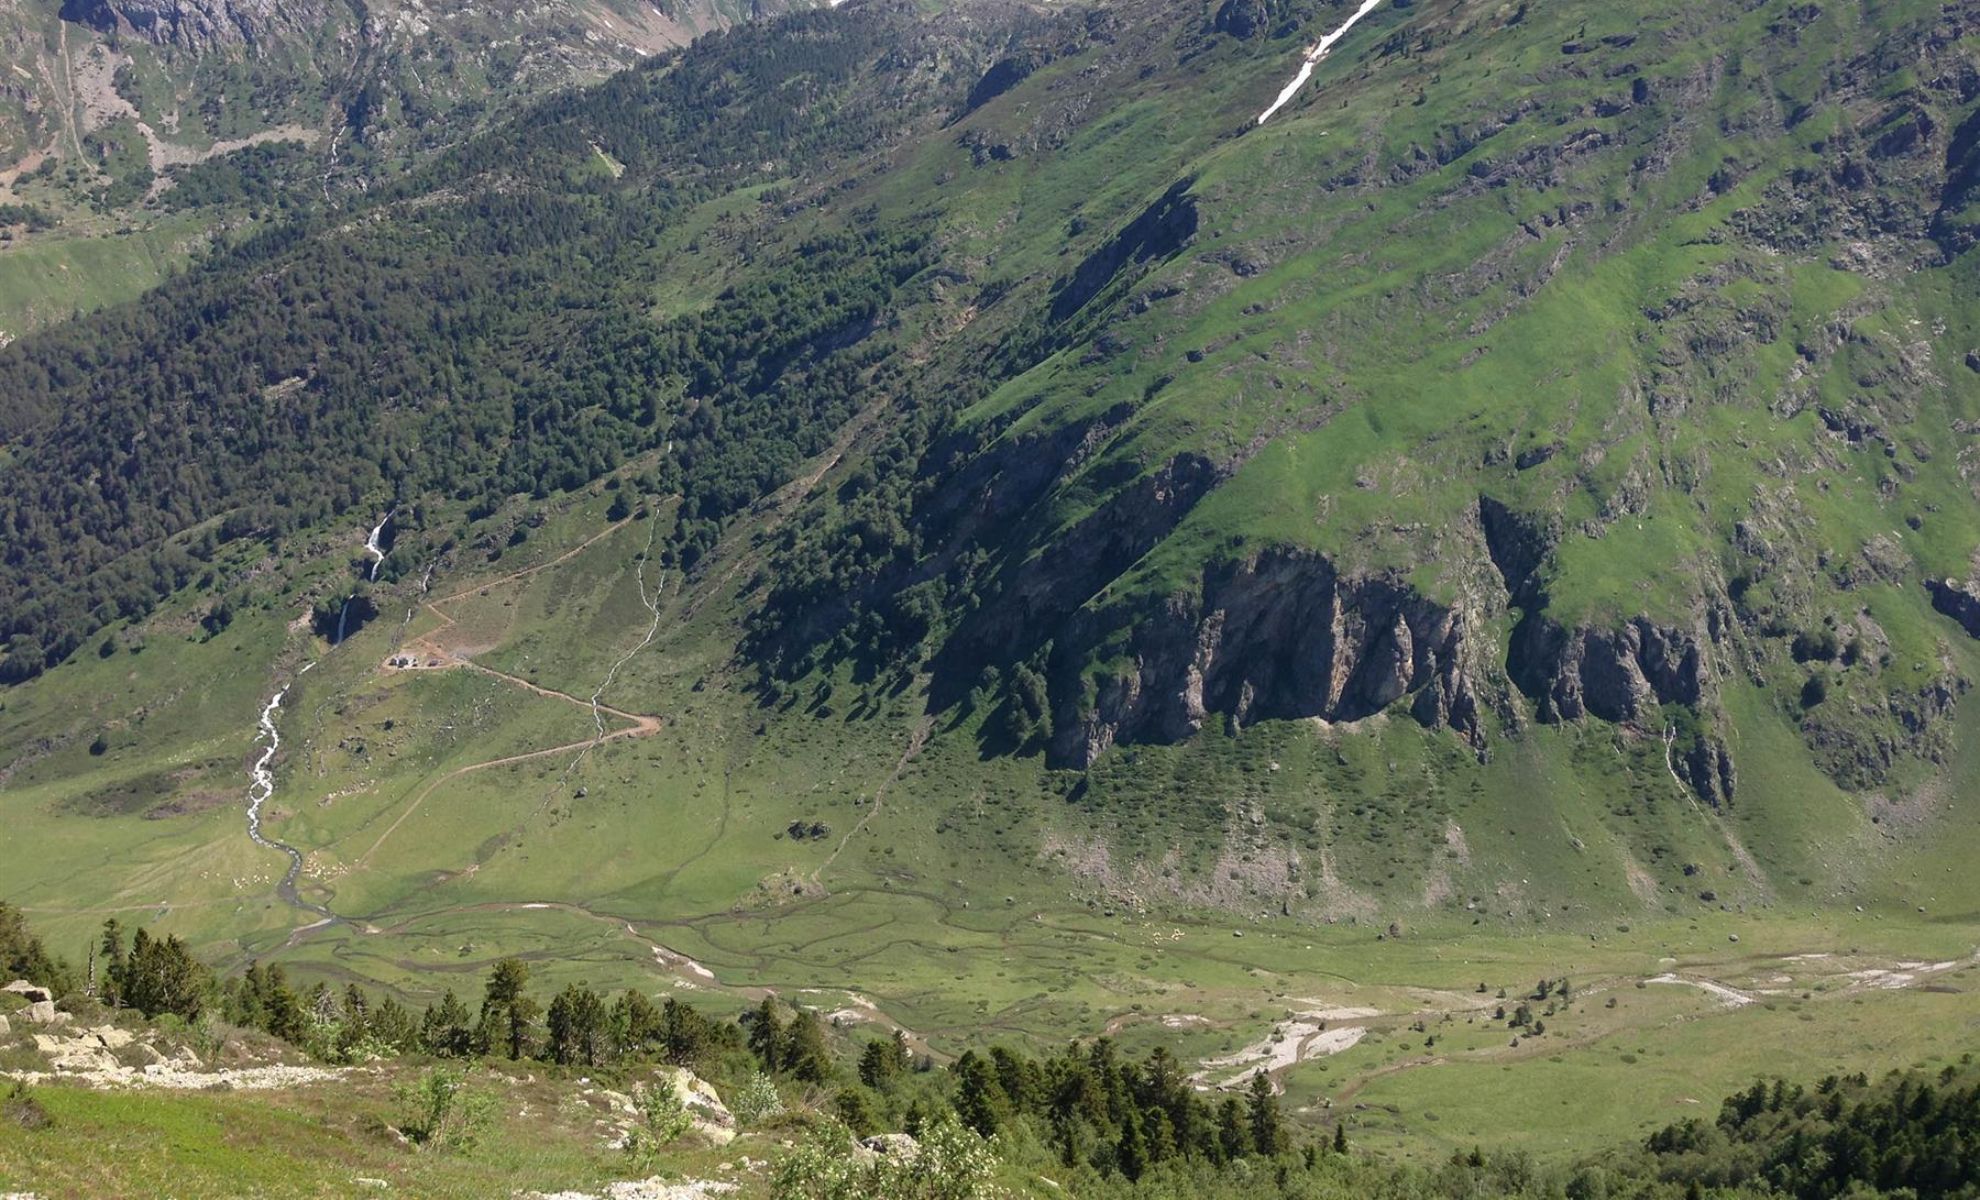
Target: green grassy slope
[1661, 283]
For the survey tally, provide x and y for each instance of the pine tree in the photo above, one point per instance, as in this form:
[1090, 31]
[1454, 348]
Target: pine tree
[1131, 1152]
[766, 1034]
[23, 956]
[112, 948]
[282, 1009]
[576, 1026]
[855, 1108]
[1268, 1134]
[803, 1053]
[520, 1028]
[508, 1015]
[882, 1061]
[443, 1030]
[163, 976]
[389, 1023]
[1233, 1139]
[980, 1099]
[687, 1036]
[634, 1024]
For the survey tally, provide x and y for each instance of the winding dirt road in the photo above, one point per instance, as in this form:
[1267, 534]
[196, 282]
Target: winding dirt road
[428, 649]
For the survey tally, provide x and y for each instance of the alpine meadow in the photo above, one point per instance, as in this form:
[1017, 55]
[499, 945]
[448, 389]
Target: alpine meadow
[948, 599]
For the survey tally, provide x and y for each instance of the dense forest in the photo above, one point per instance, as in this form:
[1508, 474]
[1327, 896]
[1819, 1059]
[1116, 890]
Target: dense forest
[493, 338]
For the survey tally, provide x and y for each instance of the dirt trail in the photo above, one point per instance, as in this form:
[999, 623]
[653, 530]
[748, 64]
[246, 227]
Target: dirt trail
[427, 649]
[916, 741]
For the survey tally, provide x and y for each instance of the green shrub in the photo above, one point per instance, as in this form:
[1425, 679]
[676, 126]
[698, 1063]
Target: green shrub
[663, 1120]
[441, 1112]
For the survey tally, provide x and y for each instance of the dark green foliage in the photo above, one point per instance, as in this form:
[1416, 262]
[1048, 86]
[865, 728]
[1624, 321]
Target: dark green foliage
[803, 1053]
[508, 1015]
[266, 174]
[1909, 1133]
[688, 1039]
[162, 976]
[766, 1033]
[1029, 711]
[854, 1106]
[33, 217]
[882, 1061]
[443, 1029]
[576, 1027]
[493, 343]
[22, 956]
[634, 1024]
[1113, 1116]
[981, 1101]
[1268, 1131]
[1822, 646]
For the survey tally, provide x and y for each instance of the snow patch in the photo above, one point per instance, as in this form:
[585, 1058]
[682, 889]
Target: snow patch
[1313, 57]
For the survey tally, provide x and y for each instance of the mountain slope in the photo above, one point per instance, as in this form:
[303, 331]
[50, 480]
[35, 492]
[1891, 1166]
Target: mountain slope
[164, 125]
[933, 506]
[1635, 358]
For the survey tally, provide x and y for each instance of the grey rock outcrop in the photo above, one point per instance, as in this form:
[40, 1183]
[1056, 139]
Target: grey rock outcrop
[201, 26]
[27, 991]
[1281, 635]
[1614, 674]
[1958, 599]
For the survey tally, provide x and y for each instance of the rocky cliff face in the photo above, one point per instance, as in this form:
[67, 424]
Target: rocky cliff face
[1278, 636]
[1288, 634]
[201, 26]
[1612, 674]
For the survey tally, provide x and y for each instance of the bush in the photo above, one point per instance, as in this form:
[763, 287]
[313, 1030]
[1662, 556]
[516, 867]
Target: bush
[663, 1119]
[22, 1109]
[951, 1164]
[441, 1112]
[756, 1101]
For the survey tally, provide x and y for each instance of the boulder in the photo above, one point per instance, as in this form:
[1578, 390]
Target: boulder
[113, 1038]
[900, 1146]
[5, 1029]
[42, 1012]
[712, 1118]
[28, 991]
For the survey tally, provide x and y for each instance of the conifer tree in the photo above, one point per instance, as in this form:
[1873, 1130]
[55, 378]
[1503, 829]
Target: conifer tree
[766, 1034]
[1268, 1134]
[803, 1053]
